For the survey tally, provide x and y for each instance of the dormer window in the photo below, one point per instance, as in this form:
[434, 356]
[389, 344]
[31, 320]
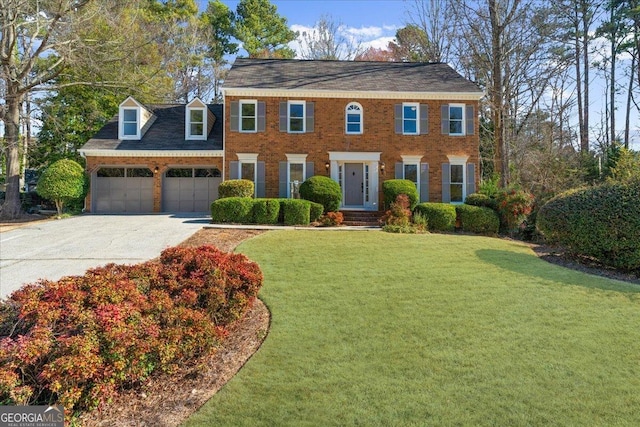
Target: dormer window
[196, 121]
[133, 119]
[130, 122]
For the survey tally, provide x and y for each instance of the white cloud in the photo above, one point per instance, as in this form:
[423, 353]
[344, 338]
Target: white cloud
[379, 43]
[365, 32]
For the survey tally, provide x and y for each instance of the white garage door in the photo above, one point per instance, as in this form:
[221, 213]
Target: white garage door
[121, 189]
[190, 189]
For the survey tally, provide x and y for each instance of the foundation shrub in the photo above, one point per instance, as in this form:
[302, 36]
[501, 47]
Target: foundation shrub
[323, 190]
[482, 200]
[392, 188]
[265, 211]
[476, 219]
[79, 340]
[236, 188]
[600, 222]
[316, 211]
[232, 209]
[331, 219]
[439, 216]
[296, 211]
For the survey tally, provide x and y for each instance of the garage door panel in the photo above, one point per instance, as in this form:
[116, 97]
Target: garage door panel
[184, 193]
[122, 194]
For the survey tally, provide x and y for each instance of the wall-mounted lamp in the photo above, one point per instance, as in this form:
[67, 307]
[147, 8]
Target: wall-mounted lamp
[326, 166]
[155, 170]
[382, 166]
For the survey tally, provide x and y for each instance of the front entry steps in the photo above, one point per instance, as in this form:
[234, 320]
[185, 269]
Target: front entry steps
[362, 218]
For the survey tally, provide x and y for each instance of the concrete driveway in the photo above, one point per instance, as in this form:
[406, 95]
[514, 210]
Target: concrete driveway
[54, 249]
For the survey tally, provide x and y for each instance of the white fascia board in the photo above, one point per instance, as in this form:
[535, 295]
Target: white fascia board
[151, 153]
[301, 93]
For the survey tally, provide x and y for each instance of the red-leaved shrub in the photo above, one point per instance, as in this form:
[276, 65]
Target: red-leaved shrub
[79, 340]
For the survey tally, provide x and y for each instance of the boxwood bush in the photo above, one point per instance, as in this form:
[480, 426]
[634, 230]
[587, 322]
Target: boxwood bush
[316, 211]
[482, 200]
[323, 190]
[477, 219]
[265, 211]
[392, 188]
[600, 222]
[232, 209]
[440, 216]
[296, 211]
[236, 188]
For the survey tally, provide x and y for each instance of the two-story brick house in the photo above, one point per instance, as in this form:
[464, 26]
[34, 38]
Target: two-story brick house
[358, 122]
[285, 120]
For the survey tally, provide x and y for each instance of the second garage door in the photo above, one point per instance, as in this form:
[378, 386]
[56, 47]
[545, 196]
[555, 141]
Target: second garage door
[190, 189]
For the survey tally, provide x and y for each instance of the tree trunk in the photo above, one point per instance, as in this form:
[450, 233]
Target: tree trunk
[584, 132]
[612, 88]
[501, 160]
[11, 208]
[628, 111]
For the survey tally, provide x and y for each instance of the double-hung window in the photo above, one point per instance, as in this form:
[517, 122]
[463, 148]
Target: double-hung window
[248, 116]
[456, 119]
[410, 118]
[353, 118]
[456, 186]
[130, 122]
[196, 122]
[296, 116]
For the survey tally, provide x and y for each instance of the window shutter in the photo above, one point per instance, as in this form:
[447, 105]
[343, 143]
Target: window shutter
[424, 182]
[233, 170]
[424, 119]
[471, 117]
[309, 172]
[282, 189]
[446, 183]
[234, 120]
[444, 113]
[310, 119]
[261, 116]
[399, 170]
[471, 178]
[398, 118]
[283, 116]
[260, 180]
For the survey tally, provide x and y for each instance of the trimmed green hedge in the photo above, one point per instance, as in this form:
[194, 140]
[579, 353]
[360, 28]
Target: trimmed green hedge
[440, 216]
[601, 222]
[323, 190]
[296, 211]
[232, 209]
[477, 219]
[316, 211]
[392, 188]
[482, 200]
[265, 211]
[236, 188]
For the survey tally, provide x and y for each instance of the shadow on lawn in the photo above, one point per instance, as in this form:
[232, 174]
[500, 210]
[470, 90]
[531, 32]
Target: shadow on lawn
[531, 265]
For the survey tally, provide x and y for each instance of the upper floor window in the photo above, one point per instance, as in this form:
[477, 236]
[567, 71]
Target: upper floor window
[248, 116]
[296, 116]
[456, 119]
[196, 122]
[353, 118]
[410, 123]
[130, 122]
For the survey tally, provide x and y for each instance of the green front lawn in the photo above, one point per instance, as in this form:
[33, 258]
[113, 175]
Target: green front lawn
[385, 329]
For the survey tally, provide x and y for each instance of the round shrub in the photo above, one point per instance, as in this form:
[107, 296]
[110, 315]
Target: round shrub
[296, 211]
[482, 200]
[316, 211]
[232, 209]
[236, 188]
[601, 222]
[440, 216]
[323, 190]
[477, 219]
[265, 211]
[392, 188]
[62, 182]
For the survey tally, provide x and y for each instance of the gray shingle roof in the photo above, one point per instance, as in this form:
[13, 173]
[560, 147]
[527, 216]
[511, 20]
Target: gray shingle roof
[346, 76]
[165, 134]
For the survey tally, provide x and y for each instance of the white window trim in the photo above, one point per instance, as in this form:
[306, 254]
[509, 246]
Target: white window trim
[293, 159]
[187, 130]
[464, 119]
[417, 119]
[412, 160]
[455, 160]
[122, 122]
[304, 116]
[249, 158]
[255, 117]
[346, 118]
